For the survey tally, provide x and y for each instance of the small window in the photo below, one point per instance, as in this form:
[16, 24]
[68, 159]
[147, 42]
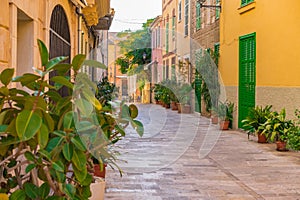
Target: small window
[186, 18]
[198, 16]
[245, 2]
[179, 11]
[217, 53]
[218, 9]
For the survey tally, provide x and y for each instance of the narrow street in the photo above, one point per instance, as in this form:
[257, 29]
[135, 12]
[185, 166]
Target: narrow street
[185, 157]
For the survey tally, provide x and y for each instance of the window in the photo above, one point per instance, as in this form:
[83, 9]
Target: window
[217, 53]
[217, 9]
[245, 2]
[158, 36]
[173, 27]
[167, 37]
[173, 68]
[186, 18]
[198, 16]
[247, 75]
[179, 11]
[164, 69]
[167, 70]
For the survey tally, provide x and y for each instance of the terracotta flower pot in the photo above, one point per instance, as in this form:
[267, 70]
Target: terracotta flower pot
[174, 105]
[186, 109]
[179, 107]
[214, 120]
[261, 138]
[98, 172]
[224, 125]
[281, 146]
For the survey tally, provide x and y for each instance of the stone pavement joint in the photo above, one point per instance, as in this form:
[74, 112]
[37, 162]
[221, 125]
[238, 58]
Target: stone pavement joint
[215, 165]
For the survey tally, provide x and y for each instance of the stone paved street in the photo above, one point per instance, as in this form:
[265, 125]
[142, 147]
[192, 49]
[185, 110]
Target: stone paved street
[185, 157]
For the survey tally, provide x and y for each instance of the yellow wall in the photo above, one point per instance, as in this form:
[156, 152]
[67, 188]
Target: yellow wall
[277, 30]
[277, 40]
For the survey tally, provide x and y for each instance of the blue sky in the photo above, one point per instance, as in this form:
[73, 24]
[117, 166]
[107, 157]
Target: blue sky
[130, 14]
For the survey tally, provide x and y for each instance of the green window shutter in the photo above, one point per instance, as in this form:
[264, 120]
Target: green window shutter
[186, 18]
[167, 37]
[198, 16]
[173, 27]
[245, 2]
[247, 75]
[217, 53]
[217, 9]
[173, 76]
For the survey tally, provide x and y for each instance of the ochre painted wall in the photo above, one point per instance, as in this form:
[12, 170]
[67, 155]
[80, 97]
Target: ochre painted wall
[277, 41]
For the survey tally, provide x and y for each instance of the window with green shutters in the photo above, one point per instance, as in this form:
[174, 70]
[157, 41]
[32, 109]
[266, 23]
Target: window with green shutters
[198, 15]
[186, 18]
[245, 2]
[218, 9]
[167, 37]
[247, 75]
[217, 53]
[173, 27]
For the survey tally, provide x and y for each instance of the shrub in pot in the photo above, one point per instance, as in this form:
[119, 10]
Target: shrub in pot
[225, 113]
[47, 141]
[277, 128]
[257, 116]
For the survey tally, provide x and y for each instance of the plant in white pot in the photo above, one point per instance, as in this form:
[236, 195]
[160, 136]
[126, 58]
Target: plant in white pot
[47, 141]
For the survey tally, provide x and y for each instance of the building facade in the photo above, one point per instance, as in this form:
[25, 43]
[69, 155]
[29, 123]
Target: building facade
[67, 27]
[259, 60]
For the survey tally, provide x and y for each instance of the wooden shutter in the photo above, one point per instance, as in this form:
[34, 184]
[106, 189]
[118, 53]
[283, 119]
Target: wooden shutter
[247, 75]
[198, 16]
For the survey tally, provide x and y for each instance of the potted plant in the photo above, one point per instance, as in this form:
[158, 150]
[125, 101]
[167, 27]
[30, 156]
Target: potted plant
[47, 141]
[257, 116]
[183, 94]
[225, 114]
[277, 128]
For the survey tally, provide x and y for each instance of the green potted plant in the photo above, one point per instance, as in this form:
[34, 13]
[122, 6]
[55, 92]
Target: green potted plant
[225, 113]
[47, 141]
[183, 94]
[257, 116]
[277, 128]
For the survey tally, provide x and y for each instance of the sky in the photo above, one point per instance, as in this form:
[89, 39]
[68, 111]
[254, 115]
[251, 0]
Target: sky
[130, 14]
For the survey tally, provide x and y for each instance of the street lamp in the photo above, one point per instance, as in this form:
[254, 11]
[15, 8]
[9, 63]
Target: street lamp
[207, 6]
[144, 56]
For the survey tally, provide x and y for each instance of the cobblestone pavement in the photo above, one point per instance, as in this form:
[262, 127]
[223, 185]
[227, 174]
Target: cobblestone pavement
[185, 157]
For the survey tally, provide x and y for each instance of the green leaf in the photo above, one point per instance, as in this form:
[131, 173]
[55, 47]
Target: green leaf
[60, 133]
[43, 136]
[68, 151]
[26, 79]
[27, 124]
[53, 62]
[53, 143]
[29, 156]
[31, 190]
[77, 61]
[80, 175]
[48, 121]
[138, 126]
[70, 190]
[43, 53]
[44, 190]
[85, 107]
[61, 176]
[58, 166]
[87, 181]
[3, 128]
[4, 91]
[94, 63]
[62, 68]
[79, 159]
[6, 76]
[18, 195]
[62, 80]
[30, 167]
[68, 120]
[45, 154]
[78, 143]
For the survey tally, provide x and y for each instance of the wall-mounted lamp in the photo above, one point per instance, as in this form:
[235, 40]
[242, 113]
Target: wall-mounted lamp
[207, 6]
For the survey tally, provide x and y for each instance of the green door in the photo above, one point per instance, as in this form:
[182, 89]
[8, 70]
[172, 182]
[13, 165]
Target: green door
[198, 84]
[247, 75]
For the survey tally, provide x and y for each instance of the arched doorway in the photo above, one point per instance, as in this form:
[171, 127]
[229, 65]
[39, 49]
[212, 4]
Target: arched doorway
[59, 39]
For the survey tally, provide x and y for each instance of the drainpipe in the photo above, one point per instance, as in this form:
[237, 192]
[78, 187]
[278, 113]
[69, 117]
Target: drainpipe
[78, 12]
